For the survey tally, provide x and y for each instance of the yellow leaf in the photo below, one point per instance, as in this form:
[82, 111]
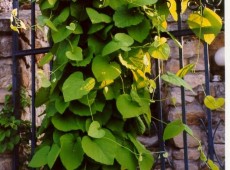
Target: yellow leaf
[14, 12]
[22, 25]
[173, 8]
[14, 28]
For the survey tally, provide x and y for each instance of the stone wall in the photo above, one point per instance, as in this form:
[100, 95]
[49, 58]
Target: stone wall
[24, 67]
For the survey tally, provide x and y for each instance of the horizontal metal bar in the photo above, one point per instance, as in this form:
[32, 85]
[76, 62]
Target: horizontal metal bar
[21, 53]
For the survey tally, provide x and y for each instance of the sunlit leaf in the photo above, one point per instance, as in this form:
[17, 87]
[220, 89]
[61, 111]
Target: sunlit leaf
[212, 165]
[75, 54]
[52, 2]
[186, 69]
[95, 130]
[212, 103]
[173, 8]
[206, 26]
[103, 70]
[75, 87]
[159, 48]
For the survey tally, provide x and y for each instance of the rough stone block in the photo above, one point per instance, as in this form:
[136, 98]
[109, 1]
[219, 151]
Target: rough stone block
[179, 165]
[193, 154]
[220, 150]
[5, 5]
[175, 93]
[191, 142]
[5, 73]
[5, 161]
[192, 48]
[3, 93]
[194, 112]
[6, 44]
[195, 80]
[5, 22]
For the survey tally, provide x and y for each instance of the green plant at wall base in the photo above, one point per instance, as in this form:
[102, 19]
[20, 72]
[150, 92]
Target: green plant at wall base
[99, 94]
[12, 130]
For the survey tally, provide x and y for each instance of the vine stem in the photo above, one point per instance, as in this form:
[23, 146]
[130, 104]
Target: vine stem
[90, 109]
[136, 154]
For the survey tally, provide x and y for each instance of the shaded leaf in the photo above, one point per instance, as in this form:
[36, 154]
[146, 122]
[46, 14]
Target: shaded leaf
[174, 79]
[101, 150]
[42, 96]
[127, 107]
[141, 31]
[45, 59]
[96, 17]
[53, 155]
[40, 157]
[125, 17]
[67, 123]
[173, 129]
[71, 153]
[61, 105]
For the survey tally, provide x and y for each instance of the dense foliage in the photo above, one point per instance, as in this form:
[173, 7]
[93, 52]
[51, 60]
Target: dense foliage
[99, 94]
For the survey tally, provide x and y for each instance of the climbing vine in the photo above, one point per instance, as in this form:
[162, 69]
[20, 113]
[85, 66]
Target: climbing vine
[99, 92]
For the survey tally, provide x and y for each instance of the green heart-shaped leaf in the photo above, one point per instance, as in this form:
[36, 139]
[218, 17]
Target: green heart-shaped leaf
[101, 150]
[212, 103]
[127, 107]
[40, 157]
[75, 87]
[174, 79]
[159, 49]
[96, 17]
[53, 155]
[103, 70]
[71, 26]
[125, 17]
[75, 54]
[95, 130]
[173, 129]
[67, 123]
[71, 153]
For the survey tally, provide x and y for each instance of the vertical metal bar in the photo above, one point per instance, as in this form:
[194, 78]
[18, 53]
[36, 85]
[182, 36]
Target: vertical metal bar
[179, 22]
[15, 86]
[160, 116]
[209, 115]
[33, 72]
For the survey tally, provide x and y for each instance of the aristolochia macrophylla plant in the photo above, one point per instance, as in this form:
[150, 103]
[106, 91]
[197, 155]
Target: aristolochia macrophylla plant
[99, 94]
